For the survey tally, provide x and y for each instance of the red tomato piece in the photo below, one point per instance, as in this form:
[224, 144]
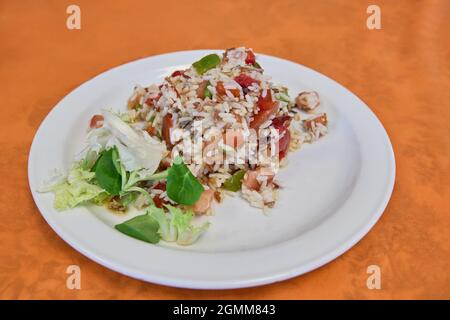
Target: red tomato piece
[96, 121]
[267, 107]
[251, 59]
[245, 81]
[220, 88]
[281, 124]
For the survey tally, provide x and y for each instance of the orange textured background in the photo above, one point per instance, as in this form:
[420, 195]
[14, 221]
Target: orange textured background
[401, 71]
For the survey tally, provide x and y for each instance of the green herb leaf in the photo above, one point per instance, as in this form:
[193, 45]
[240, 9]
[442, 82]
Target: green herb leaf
[142, 227]
[106, 173]
[257, 65]
[234, 183]
[207, 93]
[206, 63]
[182, 187]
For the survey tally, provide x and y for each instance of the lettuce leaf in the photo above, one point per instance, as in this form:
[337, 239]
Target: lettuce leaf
[75, 189]
[176, 225]
[137, 150]
[167, 230]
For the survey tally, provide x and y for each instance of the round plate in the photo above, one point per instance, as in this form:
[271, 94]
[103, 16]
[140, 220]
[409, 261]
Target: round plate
[333, 190]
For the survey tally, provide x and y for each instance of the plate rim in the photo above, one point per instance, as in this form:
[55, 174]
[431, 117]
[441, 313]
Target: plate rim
[226, 284]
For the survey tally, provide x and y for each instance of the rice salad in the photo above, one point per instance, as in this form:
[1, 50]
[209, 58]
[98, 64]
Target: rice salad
[218, 128]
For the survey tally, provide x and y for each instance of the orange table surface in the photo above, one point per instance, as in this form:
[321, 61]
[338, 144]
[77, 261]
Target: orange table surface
[401, 71]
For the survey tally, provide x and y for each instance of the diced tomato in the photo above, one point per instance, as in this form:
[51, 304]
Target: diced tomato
[96, 121]
[166, 127]
[245, 81]
[160, 202]
[151, 130]
[152, 101]
[180, 73]
[160, 186]
[177, 73]
[220, 88]
[251, 59]
[267, 107]
[149, 102]
[281, 124]
[261, 117]
[283, 144]
[266, 102]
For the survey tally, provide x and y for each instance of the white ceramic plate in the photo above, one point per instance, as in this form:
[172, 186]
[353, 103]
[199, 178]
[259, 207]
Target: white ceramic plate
[334, 190]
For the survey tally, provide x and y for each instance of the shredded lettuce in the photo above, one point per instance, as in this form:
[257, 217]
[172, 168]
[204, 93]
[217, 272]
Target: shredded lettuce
[282, 96]
[75, 189]
[167, 230]
[176, 225]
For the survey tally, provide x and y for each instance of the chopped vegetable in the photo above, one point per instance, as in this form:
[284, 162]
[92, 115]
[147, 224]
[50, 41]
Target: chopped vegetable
[128, 198]
[156, 224]
[106, 172]
[244, 80]
[206, 63]
[267, 107]
[281, 96]
[96, 121]
[234, 183]
[179, 73]
[257, 65]
[207, 93]
[75, 189]
[142, 227]
[186, 232]
[281, 124]
[182, 186]
[222, 91]
[166, 230]
[157, 199]
[202, 90]
[250, 59]
[136, 150]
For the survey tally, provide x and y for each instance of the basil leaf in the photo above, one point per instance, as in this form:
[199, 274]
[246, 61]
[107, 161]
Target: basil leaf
[142, 227]
[106, 172]
[234, 183]
[206, 63]
[182, 187]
